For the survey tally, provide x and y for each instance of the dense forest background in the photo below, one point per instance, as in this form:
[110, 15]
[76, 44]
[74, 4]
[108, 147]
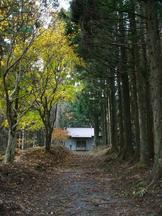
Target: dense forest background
[120, 42]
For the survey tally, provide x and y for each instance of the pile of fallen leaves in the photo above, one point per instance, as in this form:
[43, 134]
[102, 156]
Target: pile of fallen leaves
[31, 167]
[40, 158]
[133, 181]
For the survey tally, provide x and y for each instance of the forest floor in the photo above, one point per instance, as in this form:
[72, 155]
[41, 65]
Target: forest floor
[65, 184]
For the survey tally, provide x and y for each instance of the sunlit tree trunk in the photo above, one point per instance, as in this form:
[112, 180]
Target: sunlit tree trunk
[11, 107]
[23, 139]
[11, 146]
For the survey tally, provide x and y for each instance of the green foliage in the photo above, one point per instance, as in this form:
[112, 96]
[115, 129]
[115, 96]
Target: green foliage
[72, 115]
[53, 82]
[37, 64]
[72, 30]
[83, 110]
[31, 121]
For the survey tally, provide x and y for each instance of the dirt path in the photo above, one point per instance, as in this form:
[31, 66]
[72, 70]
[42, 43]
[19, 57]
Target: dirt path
[77, 189]
[80, 189]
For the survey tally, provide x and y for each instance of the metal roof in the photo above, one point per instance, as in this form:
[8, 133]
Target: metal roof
[81, 132]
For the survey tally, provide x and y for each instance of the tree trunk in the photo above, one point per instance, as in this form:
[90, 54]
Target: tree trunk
[143, 109]
[154, 57]
[150, 123]
[135, 113]
[113, 118]
[48, 118]
[108, 115]
[104, 120]
[23, 139]
[11, 146]
[127, 150]
[48, 140]
[144, 66]
[120, 113]
[96, 131]
[133, 80]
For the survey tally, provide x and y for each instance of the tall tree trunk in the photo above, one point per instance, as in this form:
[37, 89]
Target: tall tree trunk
[48, 117]
[109, 137]
[57, 118]
[140, 78]
[107, 116]
[48, 135]
[133, 80]
[12, 122]
[96, 131]
[23, 139]
[11, 146]
[104, 124]
[135, 113]
[113, 118]
[150, 123]
[154, 57]
[127, 150]
[120, 113]
[144, 69]
[143, 109]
